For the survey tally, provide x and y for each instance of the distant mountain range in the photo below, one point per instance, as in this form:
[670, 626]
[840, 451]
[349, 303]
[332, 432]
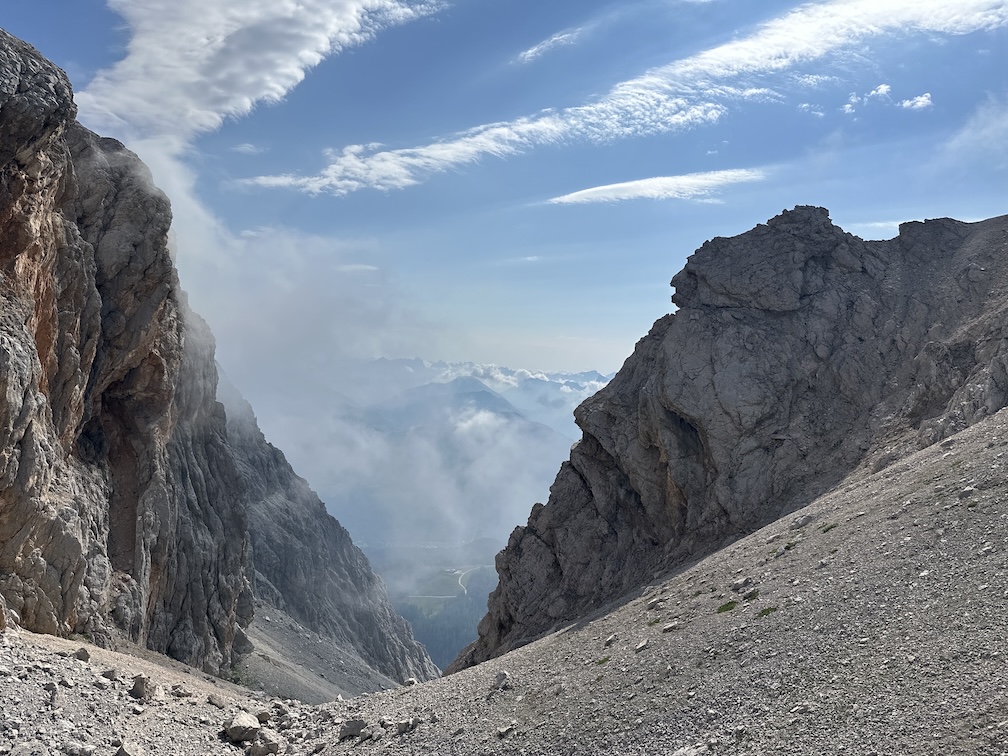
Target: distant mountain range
[412, 452]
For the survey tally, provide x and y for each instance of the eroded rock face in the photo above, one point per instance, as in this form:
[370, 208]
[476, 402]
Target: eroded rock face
[125, 508]
[120, 508]
[304, 562]
[798, 353]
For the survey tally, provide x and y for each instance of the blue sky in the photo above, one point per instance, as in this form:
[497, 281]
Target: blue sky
[512, 181]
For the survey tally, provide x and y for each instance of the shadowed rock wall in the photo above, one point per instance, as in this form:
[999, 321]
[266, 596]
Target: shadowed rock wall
[798, 352]
[305, 563]
[120, 506]
[124, 505]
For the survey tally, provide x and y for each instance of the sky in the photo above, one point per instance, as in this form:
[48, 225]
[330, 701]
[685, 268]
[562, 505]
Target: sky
[515, 182]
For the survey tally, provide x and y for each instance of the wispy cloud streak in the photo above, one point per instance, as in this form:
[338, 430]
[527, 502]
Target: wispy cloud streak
[692, 186]
[561, 39]
[684, 94]
[191, 64]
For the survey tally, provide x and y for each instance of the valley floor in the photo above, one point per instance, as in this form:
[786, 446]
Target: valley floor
[871, 622]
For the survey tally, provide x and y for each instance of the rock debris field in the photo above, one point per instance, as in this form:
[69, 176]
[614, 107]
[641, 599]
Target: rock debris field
[872, 621]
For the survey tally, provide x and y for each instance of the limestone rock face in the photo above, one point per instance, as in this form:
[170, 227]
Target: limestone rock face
[120, 508]
[125, 508]
[304, 562]
[797, 354]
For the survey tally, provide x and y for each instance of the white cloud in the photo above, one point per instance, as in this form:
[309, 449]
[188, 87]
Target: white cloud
[881, 91]
[248, 149]
[815, 110]
[681, 95]
[814, 81]
[985, 134]
[192, 63]
[189, 65]
[561, 39]
[874, 229]
[920, 102]
[692, 186]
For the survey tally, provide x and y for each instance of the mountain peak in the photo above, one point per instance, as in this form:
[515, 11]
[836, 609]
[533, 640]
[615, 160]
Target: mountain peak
[799, 353]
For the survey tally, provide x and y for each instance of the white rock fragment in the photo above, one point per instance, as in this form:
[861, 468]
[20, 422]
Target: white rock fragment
[242, 727]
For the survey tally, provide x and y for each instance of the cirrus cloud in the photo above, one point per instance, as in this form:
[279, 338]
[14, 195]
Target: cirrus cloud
[560, 39]
[191, 64]
[692, 186]
[684, 94]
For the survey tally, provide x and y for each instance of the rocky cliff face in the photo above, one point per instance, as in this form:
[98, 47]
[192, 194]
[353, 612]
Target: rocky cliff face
[304, 562]
[124, 507]
[798, 353]
[119, 509]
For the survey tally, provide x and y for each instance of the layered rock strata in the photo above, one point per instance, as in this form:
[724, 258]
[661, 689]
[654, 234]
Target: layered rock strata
[124, 506]
[798, 353]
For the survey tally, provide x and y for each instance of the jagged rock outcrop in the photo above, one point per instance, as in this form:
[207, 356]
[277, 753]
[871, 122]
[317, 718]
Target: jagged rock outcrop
[304, 562]
[120, 507]
[124, 506]
[798, 352]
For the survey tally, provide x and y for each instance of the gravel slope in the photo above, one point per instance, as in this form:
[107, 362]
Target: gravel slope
[872, 621]
[291, 661]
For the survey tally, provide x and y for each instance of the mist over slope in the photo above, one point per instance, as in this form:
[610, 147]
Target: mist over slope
[304, 562]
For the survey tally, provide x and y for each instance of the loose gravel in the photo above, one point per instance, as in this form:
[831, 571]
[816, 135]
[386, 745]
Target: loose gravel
[873, 621]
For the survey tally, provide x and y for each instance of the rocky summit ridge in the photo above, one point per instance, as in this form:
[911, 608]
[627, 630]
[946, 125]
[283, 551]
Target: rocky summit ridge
[129, 510]
[798, 354]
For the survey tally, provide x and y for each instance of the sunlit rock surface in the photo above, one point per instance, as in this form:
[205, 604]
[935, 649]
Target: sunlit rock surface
[798, 353]
[119, 504]
[123, 507]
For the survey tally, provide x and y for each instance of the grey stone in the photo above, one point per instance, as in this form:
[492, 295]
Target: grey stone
[109, 393]
[507, 730]
[241, 727]
[142, 687]
[352, 728]
[267, 742]
[31, 748]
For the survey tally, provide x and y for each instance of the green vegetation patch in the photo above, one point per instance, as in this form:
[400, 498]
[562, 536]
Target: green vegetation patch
[751, 596]
[727, 607]
[767, 612]
[828, 527]
[603, 660]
